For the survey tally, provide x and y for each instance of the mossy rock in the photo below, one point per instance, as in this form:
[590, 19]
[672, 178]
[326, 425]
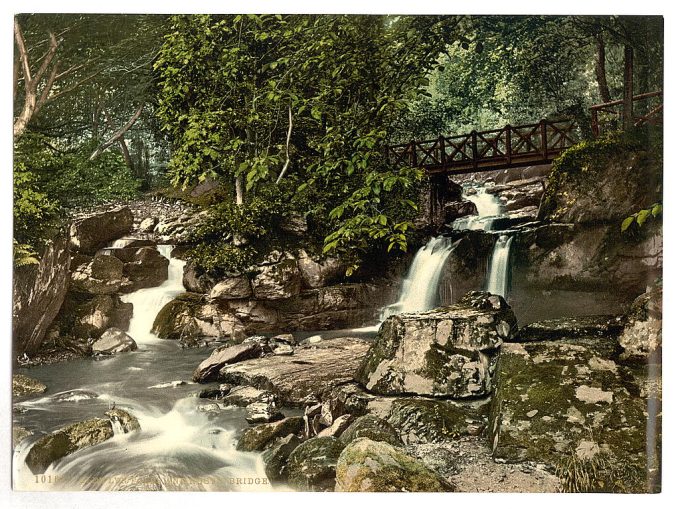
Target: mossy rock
[23, 385]
[177, 318]
[311, 466]
[430, 421]
[275, 458]
[259, 437]
[63, 442]
[375, 428]
[367, 465]
[557, 399]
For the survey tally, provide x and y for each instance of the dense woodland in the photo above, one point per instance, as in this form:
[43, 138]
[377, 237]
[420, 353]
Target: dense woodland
[289, 113]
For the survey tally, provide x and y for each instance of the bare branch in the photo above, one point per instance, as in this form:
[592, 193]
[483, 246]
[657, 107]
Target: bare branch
[118, 134]
[290, 131]
[23, 54]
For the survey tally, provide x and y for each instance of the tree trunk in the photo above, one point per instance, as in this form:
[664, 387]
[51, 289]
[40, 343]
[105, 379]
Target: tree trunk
[628, 88]
[239, 190]
[118, 135]
[600, 70]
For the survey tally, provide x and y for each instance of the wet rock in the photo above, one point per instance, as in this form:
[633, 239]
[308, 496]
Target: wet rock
[303, 376]
[177, 318]
[311, 466]
[449, 351]
[554, 396]
[114, 341]
[275, 458]
[231, 288]
[23, 385]
[244, 395]
[91, 233]
[316, 274]
[127, 422]
[65, 441]
[102, 275]
[195, 280]
[375, 428]
[641, 336]
[218, 393]
[263, 412]
[278, 281]
[148, 269]
[576, 327]
[208, 370]
[38, 292]
[366, 465]
[258, 438]
[92, 317]
[209, 408]
[421, 420]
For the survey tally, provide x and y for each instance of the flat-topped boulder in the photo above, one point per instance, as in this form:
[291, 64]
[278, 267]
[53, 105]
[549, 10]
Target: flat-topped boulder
[303, 376]
[592, 326]
[91, 233]
[448, 351]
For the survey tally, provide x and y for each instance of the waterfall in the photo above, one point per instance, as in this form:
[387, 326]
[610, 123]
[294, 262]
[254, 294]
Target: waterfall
[498, 275]
[488, 208]
[419, 291]
[147, 302]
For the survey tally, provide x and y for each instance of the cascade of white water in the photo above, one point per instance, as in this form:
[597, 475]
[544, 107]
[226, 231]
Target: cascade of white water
[497, 278]
[147, 302]
[419, 290]
[488, 207]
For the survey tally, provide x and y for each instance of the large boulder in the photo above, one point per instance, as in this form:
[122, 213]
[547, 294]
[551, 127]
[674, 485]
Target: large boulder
[366, 465]
[303, 376]
[567, 404]
[196, 280]
[311, 466]
[113, 341]
[89, 319]
[91, 233]
[176, 320]
[449, 351]
[23, 385]
[100, 275]
[147, 269]
[275, 458]
[641, 336]
[458, 209]
[277, 281]
[38, 292]
[209, 369]
[570, 327]
[63, 442]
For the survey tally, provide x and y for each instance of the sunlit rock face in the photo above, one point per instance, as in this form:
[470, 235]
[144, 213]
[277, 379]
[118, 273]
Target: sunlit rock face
[447, 352]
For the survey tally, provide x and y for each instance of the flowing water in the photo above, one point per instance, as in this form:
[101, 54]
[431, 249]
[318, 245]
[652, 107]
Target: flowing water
[498, 275]
[179, 446]
[488, 209]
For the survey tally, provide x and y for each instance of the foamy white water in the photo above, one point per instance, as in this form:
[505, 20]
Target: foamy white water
[498, 275]
[147, 302]
[488, 207]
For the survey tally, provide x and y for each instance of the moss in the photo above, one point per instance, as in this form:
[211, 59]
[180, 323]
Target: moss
[311, 466]
[375, 428]
[366, 465]
[176, 320]
[260, 437]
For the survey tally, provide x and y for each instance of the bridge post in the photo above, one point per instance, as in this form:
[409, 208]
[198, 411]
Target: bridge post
[508, 144]
[438, 184]
[413, 155]
[442, 151]
[474, 149]
[544, 139]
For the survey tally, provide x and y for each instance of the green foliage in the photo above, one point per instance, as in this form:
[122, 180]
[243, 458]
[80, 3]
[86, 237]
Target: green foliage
[33, 210]
[231, 84]
[24, 255]
[641, 217]
[221, 259]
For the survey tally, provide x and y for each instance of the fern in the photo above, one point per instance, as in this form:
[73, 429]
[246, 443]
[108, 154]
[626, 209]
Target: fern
[24, 255]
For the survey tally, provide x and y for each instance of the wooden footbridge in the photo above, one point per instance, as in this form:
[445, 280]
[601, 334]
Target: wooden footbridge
[495, 149]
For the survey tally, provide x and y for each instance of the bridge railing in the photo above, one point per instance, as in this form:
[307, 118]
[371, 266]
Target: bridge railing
[647, 109]
[487, 150]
